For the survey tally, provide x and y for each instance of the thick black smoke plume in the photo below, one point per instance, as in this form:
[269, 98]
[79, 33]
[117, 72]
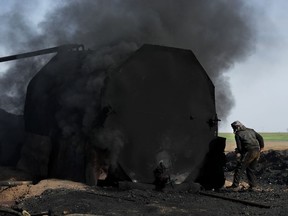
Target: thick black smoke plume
[219, 32]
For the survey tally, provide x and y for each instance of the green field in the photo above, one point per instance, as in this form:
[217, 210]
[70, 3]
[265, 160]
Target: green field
[277, 137]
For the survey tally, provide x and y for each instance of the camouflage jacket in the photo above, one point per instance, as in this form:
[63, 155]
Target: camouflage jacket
[247, 139]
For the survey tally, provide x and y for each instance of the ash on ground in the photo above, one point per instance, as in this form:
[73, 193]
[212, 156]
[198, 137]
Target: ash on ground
[60, 197]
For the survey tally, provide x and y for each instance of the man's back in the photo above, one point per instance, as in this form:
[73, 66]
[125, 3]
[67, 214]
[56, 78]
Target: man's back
[248, 139]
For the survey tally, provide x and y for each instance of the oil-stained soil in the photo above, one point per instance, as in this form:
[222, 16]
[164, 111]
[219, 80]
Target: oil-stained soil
[60, 197]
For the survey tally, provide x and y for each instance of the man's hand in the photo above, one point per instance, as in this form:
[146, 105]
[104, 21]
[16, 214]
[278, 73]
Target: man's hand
[261, 149]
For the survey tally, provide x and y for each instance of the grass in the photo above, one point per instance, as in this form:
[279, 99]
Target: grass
[277, 137]
[273, 141]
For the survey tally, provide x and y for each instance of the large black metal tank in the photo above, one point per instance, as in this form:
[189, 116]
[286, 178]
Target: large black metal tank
[54, 88]
[62, 103]
[11, 138]
[162, 102]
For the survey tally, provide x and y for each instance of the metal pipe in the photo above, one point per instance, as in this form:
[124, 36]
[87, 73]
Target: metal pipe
[251, 203]
[14, 183]
[63, 48]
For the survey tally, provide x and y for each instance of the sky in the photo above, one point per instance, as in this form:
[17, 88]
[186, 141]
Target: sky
[258, 82]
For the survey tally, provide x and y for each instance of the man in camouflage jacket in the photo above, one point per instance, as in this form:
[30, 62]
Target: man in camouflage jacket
[249, 145]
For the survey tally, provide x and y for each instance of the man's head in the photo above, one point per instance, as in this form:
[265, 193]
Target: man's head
[237, 125]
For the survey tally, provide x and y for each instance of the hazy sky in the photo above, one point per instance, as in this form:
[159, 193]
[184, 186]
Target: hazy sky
[258, 83]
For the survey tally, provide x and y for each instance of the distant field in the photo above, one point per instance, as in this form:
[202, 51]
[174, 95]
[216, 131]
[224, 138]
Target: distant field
[275, 141]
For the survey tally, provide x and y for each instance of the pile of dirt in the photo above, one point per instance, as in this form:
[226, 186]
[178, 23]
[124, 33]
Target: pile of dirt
[9, 196]
[272, 167]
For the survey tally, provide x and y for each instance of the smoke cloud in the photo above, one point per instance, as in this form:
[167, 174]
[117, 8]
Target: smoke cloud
[218, 32]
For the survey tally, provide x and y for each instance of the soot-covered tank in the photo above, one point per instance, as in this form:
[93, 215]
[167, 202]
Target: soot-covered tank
[164, 103]
[156, 106]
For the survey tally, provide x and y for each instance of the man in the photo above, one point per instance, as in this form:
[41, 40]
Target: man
[249, 145]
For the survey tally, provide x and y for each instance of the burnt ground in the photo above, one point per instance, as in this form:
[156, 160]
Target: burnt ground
[65, 197]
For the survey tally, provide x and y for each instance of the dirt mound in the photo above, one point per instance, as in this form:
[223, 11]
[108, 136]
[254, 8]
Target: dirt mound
[11, 195]
[272, 167]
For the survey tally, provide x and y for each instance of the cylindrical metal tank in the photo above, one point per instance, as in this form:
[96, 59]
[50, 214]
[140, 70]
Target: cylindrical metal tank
[163, 102]
[161, 107]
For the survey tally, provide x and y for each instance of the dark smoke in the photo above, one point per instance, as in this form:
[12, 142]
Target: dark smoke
[218, 32]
